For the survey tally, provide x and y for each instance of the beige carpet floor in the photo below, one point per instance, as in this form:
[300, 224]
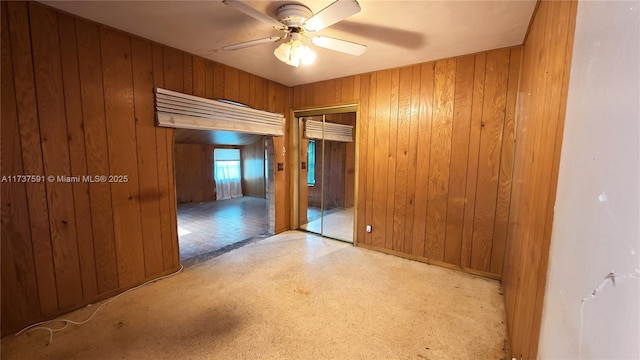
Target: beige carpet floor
[291, 296]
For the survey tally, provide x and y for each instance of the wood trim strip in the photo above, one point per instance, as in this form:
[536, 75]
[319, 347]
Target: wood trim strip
[431, 261]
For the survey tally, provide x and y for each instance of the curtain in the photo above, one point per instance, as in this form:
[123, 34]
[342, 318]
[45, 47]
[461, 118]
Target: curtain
[227, 173]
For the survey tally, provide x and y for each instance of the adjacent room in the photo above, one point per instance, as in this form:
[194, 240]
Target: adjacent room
[221, 189]
[320, 179]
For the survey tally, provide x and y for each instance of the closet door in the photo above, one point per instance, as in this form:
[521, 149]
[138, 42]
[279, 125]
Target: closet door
[327, 175]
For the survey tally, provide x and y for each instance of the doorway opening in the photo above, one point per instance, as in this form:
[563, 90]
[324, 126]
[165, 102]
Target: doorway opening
[223, 191]
[327, 174]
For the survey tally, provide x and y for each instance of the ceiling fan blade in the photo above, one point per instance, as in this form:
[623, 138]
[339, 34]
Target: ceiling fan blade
[250, 43]
[242, 7]
[337, 11]
[343, 46]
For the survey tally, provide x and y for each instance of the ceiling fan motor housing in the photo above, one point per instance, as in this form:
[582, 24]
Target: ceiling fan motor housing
[293, 15]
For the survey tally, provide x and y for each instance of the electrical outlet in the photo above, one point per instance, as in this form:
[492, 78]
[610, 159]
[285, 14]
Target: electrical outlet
[368, 228]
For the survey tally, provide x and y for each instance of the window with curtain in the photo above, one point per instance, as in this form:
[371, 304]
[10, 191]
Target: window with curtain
[311, 163]
[226, 172]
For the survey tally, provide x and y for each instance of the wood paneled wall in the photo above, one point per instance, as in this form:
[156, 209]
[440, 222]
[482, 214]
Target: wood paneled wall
[540, 111]
[77, 100]
[436, 145]
[194, 173]
[253, 164]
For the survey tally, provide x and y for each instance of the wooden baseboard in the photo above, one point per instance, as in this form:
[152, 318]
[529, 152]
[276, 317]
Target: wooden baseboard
[432, 262]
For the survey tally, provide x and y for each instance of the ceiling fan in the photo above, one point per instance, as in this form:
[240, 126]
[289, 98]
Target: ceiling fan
[297, 21]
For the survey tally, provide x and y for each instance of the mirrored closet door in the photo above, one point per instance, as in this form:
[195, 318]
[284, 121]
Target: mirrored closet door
[327, 175]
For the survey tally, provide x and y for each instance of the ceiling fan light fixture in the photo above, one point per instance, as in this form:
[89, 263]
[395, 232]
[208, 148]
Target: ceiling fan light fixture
[294, 52]
[302, 52]
[283, 52]
[295, 20]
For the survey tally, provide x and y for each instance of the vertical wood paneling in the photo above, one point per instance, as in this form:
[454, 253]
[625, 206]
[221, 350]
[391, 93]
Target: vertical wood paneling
[279, 184]
[472, 164]
[493, 115]
[231, 84]
[303, 93]
[244, 89]
[121, 135]
[194, 173]
[253, 181]
[363, 133]
[163, 172]
[356, 87]
[218, 80]
[285, 99]
[566, 25]
[173, 205]
[506, 166]
[380, 158]
[369, 161]
[173, 69]
[465, 67]
[551, 142]
[208, 80]
[297, 95]
[21, 54]
[77, 153]
[392, 157]
[412, 160]
[173, 80]
[142, 68]
[77, 99]
[187, 75]
[260, 94]
[90, 68]
[440, 157]
[350, 162]
[347, 92]
[435, 154]
[318, 94]
[271, 91]
[402, 158]
[199, 77]
[250, 90]
[332, 91]
[52, 116]
[422, 165]
[19, 284]
[546, 60]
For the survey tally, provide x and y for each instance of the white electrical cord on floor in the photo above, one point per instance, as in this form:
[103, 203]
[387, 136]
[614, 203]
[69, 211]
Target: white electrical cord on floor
[66, 322]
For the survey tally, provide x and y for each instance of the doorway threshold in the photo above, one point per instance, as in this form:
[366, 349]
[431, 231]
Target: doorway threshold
[215, 253]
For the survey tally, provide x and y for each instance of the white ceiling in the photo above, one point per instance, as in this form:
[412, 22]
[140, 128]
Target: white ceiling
[397, 33]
